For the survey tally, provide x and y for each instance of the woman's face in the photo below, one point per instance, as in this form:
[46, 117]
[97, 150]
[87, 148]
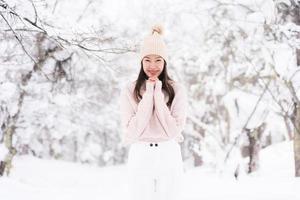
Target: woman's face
[153, 65]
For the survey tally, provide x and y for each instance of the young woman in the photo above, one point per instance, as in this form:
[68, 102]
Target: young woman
[153, 115]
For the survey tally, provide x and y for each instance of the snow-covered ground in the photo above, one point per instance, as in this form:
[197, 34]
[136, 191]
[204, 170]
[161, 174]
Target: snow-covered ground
[37, 179]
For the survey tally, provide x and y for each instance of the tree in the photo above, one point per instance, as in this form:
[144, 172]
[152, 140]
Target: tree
[289, 18]
[59, 98]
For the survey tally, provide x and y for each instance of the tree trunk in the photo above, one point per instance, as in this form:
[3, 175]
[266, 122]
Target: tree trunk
[291, 13]
[297, 141]
[6, 165]
[296, 20]
[197, 160]
[2, 167]
[254, 136]
[288, 127]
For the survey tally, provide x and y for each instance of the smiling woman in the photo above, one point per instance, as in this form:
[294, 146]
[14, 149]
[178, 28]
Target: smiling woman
[153, 66]
[153, 112]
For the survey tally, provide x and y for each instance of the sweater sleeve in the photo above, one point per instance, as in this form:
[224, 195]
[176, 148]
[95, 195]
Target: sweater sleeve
[134, 119]
[173, 120]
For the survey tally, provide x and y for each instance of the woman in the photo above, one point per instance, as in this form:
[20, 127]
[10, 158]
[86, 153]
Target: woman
[153, 113]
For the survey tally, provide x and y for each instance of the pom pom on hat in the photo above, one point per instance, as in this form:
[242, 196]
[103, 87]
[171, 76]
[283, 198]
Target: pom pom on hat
[154, 44]
[158, 28]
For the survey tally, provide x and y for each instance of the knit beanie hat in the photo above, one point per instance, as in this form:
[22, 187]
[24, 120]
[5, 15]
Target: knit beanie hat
[154, 44]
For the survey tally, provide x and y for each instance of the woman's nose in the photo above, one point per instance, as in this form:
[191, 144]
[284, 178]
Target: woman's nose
[152, 66]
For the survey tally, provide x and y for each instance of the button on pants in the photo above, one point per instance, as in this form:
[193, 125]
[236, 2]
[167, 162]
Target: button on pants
[155, 171]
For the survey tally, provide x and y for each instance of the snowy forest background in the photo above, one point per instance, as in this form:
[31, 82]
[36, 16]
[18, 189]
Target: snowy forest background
[63, 63]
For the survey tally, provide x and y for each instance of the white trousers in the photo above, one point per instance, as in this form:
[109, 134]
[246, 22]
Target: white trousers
[155, 172]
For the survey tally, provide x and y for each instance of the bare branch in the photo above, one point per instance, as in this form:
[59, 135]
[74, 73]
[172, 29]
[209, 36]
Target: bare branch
[247, 121]
[18, 39]
[35, 12]
[84, 10]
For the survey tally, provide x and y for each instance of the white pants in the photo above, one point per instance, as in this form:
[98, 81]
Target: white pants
[155, 172]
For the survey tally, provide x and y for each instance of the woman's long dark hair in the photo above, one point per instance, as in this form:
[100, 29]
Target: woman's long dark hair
[163, 77]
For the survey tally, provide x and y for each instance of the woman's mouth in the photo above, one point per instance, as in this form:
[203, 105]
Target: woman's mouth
[153, 72]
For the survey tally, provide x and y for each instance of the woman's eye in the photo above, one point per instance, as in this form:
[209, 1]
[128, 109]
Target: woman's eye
[158, 60]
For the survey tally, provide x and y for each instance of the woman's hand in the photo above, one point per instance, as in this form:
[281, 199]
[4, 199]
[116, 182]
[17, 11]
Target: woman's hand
[153, 79]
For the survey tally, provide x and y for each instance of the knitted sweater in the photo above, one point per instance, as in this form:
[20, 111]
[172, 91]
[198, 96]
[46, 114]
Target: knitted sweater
[151, 120]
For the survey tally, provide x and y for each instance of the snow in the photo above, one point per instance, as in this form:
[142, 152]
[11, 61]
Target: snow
[8, 94]
[3, 151]
[217, 49]
[240, 105]
[36, 179]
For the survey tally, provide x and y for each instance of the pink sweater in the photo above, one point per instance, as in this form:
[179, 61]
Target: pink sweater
[151, 120]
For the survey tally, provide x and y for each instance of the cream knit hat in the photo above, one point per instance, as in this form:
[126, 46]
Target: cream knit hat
[154, 44]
